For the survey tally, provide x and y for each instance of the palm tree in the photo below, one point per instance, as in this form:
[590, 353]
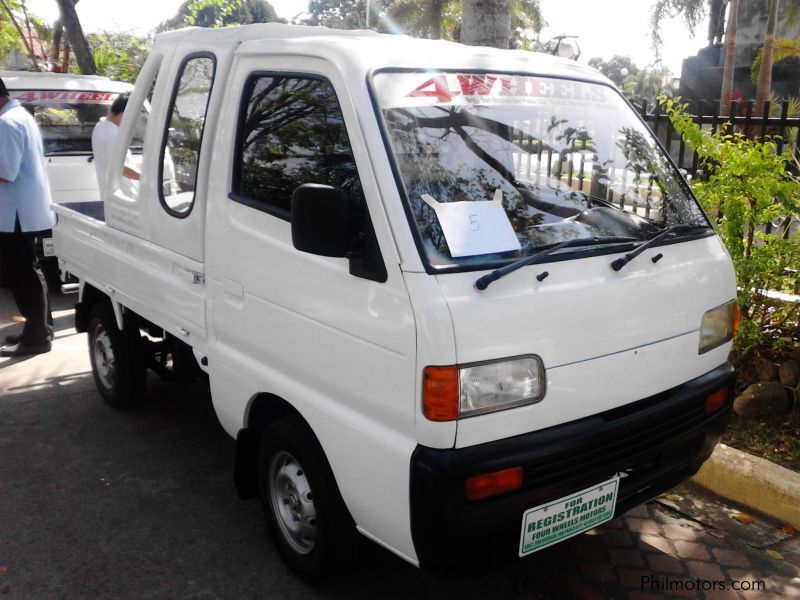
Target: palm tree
[772, 51]
[694, 11]
[785, 48]
[486, 23]
[726, 94]
[767, 58]
[437, 19]
[496, 22]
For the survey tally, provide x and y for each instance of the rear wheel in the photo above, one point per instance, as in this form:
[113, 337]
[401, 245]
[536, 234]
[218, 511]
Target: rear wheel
[305, 513]
[116, 358]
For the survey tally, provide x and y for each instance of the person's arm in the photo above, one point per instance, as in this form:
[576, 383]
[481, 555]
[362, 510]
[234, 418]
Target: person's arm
[12, 147]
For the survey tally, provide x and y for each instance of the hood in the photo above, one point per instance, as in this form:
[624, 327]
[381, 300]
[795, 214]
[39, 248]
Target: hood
[585, 311]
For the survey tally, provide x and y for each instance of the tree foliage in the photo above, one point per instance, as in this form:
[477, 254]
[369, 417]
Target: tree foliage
[221, 13]
[617, 68]
[9, 36]
[646, 83]
[749, 184]
[338, 14]
[119, 56]
[785, 48]
[527, 21]
[17, 27]
[433, 19]
[692, 11]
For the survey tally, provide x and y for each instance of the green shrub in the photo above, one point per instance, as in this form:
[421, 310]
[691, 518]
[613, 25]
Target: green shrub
[747, 184]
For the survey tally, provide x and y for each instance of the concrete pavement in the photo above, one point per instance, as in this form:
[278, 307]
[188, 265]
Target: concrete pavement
[95, 503]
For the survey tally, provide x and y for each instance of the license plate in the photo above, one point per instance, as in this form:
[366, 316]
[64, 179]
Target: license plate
[545, 525]
[48, 248]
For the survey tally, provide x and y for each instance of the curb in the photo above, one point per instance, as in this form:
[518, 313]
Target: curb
[754, 482]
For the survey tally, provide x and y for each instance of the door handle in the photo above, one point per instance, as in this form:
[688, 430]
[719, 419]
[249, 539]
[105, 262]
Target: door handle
[232, 288]
[194, 277]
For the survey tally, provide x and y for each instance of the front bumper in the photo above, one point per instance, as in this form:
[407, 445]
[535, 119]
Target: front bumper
[658, 442]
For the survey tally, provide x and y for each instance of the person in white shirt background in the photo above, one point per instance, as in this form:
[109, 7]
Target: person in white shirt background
[24, 214]
[103, 137]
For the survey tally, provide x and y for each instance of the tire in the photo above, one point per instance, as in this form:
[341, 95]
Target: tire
[306, 516]
[117, 361]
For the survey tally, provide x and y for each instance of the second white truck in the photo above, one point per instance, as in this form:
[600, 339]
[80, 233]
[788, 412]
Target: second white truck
[67, 107]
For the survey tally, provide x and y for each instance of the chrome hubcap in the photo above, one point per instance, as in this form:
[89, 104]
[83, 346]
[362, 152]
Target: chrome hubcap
[292, 502]
[104, 358]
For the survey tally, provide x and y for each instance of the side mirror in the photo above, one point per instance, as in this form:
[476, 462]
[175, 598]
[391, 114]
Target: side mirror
[320, 218]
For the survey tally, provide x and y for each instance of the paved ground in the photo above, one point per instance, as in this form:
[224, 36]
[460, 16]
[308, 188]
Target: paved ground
[100, 504]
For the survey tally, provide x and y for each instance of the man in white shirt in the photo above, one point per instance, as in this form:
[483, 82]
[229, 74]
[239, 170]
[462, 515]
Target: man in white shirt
[103, 137]
[24, 214]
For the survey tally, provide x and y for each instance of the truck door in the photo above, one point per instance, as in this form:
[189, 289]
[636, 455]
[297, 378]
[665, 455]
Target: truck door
[176, 212]
[332, 336]
[166, 206]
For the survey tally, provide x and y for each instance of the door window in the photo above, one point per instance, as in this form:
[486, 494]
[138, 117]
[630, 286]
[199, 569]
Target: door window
[180, 152]
[291, 132]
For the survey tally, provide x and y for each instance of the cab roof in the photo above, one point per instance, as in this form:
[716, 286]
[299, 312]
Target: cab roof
[366, 50]
[29, 80]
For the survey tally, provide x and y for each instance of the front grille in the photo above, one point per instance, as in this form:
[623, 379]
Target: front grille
[622, 447]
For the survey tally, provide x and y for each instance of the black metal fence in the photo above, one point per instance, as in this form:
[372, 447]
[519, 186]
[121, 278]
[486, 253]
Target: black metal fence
[784, 129]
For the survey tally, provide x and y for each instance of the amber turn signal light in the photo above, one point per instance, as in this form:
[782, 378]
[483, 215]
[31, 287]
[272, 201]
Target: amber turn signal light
[716, 401]
[440, 393]
[492, 484]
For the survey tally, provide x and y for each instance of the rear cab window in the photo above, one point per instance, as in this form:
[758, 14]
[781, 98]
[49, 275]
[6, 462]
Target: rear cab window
[180, 150]
[67, 118]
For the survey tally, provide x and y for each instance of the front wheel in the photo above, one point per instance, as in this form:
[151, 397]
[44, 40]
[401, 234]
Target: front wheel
[116, 357]
[305, 513]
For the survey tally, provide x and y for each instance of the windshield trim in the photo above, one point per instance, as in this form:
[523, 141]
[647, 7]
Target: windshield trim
[42, 89]
[578, 254]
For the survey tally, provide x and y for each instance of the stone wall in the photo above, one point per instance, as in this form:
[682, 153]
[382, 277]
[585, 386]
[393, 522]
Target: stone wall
[752, 26]
[701, 76]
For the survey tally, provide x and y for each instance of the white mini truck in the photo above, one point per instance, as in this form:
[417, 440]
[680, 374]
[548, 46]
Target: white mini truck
[456, 299]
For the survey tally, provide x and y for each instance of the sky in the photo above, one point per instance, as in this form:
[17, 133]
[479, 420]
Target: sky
[604, 28]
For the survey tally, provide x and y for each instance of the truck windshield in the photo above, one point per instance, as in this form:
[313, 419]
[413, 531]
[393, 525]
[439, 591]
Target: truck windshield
[67, 118]
[496, 166]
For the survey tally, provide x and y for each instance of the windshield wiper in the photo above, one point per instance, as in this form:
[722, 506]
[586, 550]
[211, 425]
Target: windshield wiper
[680, 228]
[483, 282]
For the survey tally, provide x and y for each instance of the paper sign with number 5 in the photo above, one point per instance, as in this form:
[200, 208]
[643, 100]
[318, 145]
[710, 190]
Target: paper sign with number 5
[475, 228]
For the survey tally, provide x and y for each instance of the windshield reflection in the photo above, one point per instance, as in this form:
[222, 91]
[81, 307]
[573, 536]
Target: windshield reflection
[575, 166]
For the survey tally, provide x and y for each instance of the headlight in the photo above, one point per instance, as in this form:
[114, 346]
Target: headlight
[718, 326]
[500, 385]
[452, 392]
